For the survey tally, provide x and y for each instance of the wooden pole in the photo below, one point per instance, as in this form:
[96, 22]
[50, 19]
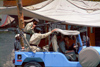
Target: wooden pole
[20, 14]
[20, 18]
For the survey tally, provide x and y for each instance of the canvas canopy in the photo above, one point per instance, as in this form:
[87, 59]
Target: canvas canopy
[68, 32]
[85, 13]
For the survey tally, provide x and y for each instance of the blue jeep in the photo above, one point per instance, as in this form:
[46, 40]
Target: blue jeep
[87, 56]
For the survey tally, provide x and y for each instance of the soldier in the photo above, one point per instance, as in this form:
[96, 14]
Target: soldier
[17, 44]
[36, 38]
[29, 28]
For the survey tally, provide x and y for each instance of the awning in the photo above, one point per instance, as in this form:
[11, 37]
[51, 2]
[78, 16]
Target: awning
[84, 13]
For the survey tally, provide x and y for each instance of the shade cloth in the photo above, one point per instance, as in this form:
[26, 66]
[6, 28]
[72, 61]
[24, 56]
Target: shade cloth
[84, 13]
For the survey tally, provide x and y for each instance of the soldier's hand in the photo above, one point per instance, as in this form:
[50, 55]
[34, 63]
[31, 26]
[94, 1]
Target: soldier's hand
[33, 26]
[54, 30]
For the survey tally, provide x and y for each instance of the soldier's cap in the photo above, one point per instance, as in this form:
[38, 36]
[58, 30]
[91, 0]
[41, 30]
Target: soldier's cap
[35, 19]
[38, 29]
[17, 35]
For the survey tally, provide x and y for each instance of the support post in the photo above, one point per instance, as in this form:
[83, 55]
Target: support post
[20, 18]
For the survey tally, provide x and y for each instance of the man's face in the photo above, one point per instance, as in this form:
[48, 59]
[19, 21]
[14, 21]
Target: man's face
[35, 22]
[66, 39]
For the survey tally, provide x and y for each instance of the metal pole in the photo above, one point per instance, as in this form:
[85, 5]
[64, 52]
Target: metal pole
[20, 18]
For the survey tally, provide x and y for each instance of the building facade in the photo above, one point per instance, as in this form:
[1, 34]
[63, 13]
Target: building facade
[1, 4]
[24, 2]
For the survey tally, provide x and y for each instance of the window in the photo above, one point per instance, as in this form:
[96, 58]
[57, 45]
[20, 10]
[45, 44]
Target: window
[60, 26]
[92, 30]
[79, 28]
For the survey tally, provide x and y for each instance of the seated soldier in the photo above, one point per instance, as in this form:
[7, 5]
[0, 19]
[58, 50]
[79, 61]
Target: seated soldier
[67, 49]
[36, 38]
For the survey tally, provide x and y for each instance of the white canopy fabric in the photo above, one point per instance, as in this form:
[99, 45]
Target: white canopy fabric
[68, 32]
[69, 11]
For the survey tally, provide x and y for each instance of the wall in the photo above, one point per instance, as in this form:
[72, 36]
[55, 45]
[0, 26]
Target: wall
[1, 4]
[91, 34]
[97, 36]
[24, 2]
